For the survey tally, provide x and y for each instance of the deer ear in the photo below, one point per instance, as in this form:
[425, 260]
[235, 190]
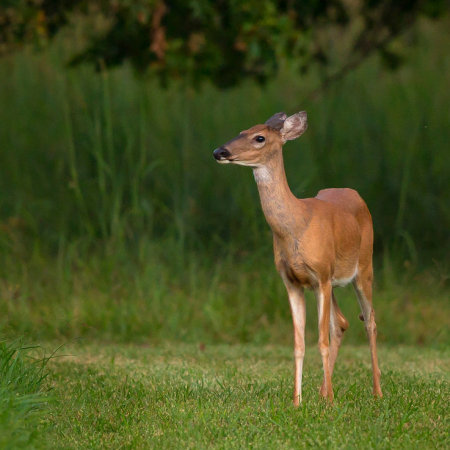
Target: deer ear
[294, 126]
[276, 121]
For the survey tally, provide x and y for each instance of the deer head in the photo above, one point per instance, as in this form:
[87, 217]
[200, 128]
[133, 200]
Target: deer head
[257, 145]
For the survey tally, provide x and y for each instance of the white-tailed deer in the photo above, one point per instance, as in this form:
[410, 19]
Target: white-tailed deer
[318, 243]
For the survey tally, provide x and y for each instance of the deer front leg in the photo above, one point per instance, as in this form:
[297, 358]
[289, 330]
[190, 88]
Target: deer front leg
[298, 310]
[323, 294]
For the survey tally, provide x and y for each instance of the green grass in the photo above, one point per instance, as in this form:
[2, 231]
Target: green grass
[190, 396]
[24, 395]
[162, 297]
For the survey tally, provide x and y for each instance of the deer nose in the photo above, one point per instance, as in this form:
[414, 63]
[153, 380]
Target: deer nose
[221, 152]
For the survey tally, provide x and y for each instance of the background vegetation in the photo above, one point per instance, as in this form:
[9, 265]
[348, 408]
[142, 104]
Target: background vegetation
[116, 222]
[223, 41]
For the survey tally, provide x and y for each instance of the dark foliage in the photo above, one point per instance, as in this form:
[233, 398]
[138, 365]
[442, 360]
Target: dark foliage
[225, 40]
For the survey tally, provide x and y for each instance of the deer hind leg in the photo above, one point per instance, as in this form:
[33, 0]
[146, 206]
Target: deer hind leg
[324, 294]
[363, 288]
[298, 310]
[338, 325]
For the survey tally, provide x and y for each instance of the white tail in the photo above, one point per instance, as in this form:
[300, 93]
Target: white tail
[319, 242]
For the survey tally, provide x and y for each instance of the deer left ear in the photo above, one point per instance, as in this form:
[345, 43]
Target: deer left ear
[294, 126]
[276, 121]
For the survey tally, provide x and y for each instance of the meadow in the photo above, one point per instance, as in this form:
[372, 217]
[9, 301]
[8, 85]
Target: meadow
[118, 230]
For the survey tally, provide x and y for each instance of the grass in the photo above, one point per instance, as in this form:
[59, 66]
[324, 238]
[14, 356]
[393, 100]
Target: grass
[131, 396]
[24, 395]
[161, 297]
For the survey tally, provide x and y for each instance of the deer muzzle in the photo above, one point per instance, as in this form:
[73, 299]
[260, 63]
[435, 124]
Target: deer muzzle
[221, 154]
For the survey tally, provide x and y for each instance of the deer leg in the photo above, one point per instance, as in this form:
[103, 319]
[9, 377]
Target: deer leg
[363, 288]
[298, 310]
[338, 325]
[324, 294]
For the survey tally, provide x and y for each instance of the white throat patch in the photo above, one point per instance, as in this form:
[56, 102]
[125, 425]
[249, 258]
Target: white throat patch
[262, 174]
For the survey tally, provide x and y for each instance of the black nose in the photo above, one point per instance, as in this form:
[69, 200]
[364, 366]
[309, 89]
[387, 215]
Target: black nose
[221, 152]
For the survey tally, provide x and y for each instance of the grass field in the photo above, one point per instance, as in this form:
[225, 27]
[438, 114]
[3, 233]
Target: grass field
[190, 396]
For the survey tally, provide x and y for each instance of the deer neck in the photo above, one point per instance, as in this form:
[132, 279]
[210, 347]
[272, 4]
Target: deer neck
[280, 206]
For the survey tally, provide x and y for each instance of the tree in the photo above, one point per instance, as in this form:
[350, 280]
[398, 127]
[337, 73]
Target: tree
[224, 40]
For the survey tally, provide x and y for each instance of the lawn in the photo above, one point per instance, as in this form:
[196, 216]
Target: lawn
[220, 396]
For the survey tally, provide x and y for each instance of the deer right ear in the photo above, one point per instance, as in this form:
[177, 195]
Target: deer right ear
[276, 121]
[294, 126]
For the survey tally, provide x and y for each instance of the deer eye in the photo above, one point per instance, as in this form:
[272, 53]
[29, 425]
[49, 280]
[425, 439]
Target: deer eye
[260, 138]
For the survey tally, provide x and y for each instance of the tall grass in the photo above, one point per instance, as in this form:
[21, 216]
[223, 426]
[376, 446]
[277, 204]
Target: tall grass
[110, 155]
[115, 221]
[158, 296]
[22, 394]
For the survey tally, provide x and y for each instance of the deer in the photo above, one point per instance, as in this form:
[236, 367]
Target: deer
[319, 243]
